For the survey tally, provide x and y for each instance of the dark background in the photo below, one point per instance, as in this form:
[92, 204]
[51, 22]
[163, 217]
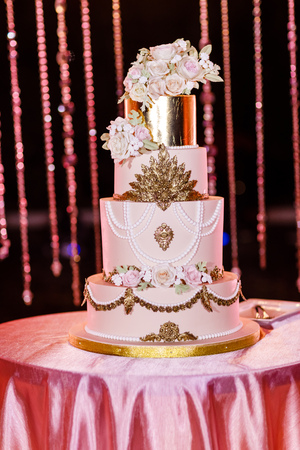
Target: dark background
[147, 24]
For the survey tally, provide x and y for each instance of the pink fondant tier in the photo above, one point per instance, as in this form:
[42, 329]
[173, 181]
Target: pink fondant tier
[194, 158]
[149, 311]
[129, 233]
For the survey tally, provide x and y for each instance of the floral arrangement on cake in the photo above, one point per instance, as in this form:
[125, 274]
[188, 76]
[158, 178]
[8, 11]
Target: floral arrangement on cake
[128, 137]
[182, 278]
[168, 70]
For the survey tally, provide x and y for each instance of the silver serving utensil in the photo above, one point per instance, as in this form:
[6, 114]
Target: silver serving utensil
[261, 313]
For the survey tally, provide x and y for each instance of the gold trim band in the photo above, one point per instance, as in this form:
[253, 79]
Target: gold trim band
[129, 299]
[246, 337]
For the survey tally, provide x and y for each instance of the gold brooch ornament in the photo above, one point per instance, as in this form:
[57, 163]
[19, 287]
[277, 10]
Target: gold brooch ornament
[163, 182]
[169, 332]
[163, 236]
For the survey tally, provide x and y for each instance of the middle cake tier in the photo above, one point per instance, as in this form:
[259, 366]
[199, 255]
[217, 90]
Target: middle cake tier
[143, 235]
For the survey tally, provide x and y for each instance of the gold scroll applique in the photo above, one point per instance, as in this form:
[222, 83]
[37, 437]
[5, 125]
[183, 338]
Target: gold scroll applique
[162, 182]
[169, 332]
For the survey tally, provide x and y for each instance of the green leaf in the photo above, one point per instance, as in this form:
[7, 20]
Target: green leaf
[125, 95]
[201, 266]
[135, 118]
[213, 77]
[180, 288]
[122, 269]
[150, 145]
[207, 49]
[142, 286]
[193, 52]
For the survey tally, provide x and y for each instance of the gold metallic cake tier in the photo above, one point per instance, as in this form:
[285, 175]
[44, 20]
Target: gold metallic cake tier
[248, 335]
[171, 120]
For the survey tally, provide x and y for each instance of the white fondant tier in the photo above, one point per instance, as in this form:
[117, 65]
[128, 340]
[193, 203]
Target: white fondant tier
[142, 320]
[195, 160]
[128, 233]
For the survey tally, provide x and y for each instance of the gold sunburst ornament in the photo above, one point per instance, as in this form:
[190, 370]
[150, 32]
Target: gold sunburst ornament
[163, 182]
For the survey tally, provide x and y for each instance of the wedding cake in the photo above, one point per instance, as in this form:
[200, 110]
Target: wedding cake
[163, 290]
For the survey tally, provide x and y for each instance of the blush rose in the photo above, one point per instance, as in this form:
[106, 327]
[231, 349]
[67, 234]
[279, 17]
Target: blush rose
[157, 87]
[175, 85]
[142, 133]
[192, 276]
[138, 92]
[163, 275]
[131, 278]
[165, 52]
[118, 145]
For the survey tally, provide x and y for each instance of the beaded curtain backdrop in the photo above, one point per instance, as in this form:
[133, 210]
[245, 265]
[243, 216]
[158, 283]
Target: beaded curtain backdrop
[251, 134]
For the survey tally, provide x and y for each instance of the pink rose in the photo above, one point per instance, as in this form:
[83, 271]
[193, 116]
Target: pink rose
[142, 133]
[135, 72]
[190, 69]
[192, 276]
[156, 87]
[175, 85]
[128, 83]
[131, 278]
[158, 68]
[165, 52]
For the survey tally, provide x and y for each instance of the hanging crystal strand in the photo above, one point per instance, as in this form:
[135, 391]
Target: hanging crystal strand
[118, 49]
[229, 135]
[4, 241]
[69, 159]
[259, 118]
[292, 47]
[207, 98]
[91, 123]
[48, 141]
[19, 150]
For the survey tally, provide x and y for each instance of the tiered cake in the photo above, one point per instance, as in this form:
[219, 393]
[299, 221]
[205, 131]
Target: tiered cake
[163, 291]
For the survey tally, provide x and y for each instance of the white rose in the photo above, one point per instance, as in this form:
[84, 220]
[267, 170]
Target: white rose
[118, 145]
[164, 51]
[163, 275]
[175, 85]
[156, 87]
[190, 69]
[158, 68]
[138, 92]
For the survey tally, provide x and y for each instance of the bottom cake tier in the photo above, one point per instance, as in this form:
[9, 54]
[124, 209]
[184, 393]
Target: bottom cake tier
[159, 315]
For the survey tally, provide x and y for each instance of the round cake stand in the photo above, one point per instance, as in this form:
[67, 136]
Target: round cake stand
[248, 335]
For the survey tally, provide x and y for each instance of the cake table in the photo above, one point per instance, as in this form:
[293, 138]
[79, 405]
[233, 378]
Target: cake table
[56, 396]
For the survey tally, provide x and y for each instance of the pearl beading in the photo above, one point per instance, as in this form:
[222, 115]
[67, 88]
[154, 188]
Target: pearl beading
[177, 208]
[137, 294]
[175, 147]
[138, 252]
[104, 303]
[149, 211]
[136, 339]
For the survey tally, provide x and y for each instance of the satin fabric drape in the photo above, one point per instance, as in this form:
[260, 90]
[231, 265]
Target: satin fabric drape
[55, 396]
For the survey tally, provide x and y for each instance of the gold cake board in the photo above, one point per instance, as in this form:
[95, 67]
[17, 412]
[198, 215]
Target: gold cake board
[248, 335]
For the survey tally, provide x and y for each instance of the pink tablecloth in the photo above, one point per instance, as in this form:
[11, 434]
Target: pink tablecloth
[55, 396]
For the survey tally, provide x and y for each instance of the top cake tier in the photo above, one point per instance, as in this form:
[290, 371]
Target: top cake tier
[171, 120]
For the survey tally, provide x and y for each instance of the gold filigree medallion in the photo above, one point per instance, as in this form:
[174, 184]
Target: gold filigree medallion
[162, 182]
[163, 236]
[169, 332]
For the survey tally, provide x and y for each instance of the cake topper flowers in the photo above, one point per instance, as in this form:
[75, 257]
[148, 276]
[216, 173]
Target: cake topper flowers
[128, 137]
[169, 70]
